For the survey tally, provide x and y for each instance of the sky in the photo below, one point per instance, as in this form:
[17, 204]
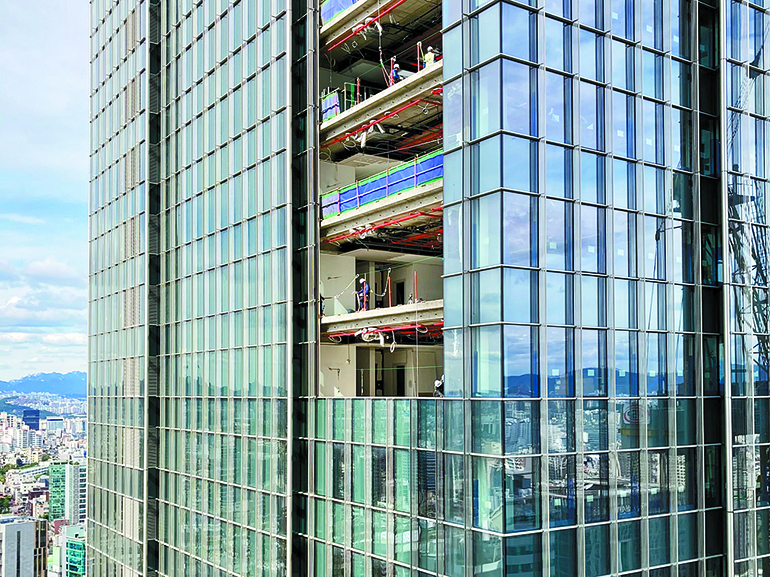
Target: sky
[44, 148]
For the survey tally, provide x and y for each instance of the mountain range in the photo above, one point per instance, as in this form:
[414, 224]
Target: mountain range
[70, 384]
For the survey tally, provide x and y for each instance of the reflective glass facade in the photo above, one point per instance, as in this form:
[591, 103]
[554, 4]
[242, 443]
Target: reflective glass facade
[605, 406]
[581, 194]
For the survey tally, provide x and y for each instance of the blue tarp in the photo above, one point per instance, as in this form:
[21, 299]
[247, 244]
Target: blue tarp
[332, 8]
[401, 178]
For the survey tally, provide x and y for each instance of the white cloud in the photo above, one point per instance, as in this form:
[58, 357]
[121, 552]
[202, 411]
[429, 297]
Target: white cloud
[44, 174]
[21, 218]
[51, 271]
[15, 337]
[66, 339]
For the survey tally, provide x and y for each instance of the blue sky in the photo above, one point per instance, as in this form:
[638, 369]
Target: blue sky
[44, 54]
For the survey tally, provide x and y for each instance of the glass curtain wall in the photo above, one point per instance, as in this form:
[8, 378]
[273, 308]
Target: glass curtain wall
[744, 72]
[569, 137]
[223, 491]
[118, 288]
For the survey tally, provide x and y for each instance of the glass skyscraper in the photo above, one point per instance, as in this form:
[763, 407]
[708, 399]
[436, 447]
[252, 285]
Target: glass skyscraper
[404, 288]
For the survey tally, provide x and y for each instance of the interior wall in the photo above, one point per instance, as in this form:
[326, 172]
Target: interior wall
[336, 273]
[429, 284]
[333, 176]
[338, 371]
[422, 369]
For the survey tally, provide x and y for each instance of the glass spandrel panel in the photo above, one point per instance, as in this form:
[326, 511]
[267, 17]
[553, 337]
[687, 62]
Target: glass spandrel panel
[338, 471]
[655, 248]
[485, 35]
[485, 230]
[623, 124]
[591, 116]
[403, 539]
[625, 310]
[624, 184]
[320, 468]
[401, 423]
[560, 362]
[622, 55]
[454, 552]
[519, 163]
[657, 471]
[561, 426]
[486, 296]
[629, 546]
[454, 488]
[520, 365]
[592, 178]
[521, 431]
[656, 377]
[629, 484]
[379, 477]
[652, 24]
[561, 500]
[358, 474]
[485, 100]
[686, 480]
[488, 493]
[593, 239]
[660, 547]
[487, 361]
[563, 552]
[591, 50]
[454, 420]
[520, 282]
[402, 480]
[379, 422]
[558, 175]
[485, 166]
[558, 98]
[519, 103]
[519, 32]
[487, 430]
[559, 244]
[595, 433]
[379, 533]
[523, 556]
[522, 493]
[653, 135]
[453, 112]
[597, 546]
[454, 363]
[453, 239]
[520, 229]
[652, 74]
[558, 44]
[559, 298]
[591, 13]
[487, 554]
[594, 359]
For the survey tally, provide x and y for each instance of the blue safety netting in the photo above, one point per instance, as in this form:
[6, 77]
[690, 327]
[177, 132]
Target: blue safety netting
[403, 177]
[332, 8]
[330, 106]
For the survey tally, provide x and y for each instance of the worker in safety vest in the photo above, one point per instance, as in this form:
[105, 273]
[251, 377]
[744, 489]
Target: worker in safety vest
[363, 295]
[395, 74]
[430, 56]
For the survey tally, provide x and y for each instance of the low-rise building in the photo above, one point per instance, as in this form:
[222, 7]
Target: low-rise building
[23, 546]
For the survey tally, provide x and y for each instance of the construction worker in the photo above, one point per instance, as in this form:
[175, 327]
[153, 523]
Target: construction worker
[430, 57]
[395, 74]
[363, 295]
